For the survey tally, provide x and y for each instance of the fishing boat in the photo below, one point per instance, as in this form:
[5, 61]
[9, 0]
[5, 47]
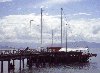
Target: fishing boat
[55, 55]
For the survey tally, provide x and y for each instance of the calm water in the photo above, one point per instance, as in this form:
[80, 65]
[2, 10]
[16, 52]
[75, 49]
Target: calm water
[92, 67]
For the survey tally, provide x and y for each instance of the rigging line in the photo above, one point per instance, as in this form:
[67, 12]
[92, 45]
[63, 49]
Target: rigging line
[80, 38]
[73, 38]
[79, 35]
[84, 42]
[71, 31]
[50, 24]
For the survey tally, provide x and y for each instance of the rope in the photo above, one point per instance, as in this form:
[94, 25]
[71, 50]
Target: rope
[71, 32]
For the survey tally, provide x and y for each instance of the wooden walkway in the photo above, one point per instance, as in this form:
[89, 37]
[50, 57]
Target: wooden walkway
[8, 55]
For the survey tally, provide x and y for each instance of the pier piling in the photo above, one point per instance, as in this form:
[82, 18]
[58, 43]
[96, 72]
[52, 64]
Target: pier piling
[8, 65]
[30, 62]
[23, 63]
[13, 62]
[20, 64]
[1, 66]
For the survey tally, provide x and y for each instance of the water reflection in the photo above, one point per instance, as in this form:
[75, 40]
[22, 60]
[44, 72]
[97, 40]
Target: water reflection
[62, 68]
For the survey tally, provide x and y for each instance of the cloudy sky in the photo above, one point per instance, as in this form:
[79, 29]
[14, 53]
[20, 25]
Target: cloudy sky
[82, 17]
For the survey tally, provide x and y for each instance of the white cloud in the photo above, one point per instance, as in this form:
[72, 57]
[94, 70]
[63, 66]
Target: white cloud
[50, 3]
[85, 29]
[81, 14]
[5, 0]
[41, 6]
[16, 28]
[61, 1]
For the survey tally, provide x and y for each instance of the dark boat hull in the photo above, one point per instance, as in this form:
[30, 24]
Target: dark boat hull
[61, 57]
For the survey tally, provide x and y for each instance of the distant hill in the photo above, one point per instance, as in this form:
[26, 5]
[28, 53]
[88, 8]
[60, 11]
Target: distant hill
[9, 45]
[6, 45]
[84, 44]
[80, 44]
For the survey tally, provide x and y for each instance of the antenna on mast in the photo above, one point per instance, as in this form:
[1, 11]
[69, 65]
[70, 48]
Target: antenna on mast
[30, 24]
[61, 26]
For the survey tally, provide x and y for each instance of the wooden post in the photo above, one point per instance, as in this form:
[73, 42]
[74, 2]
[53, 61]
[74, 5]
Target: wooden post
[13, 62]
[27, 61]
[20, 64]
[1, 66]
[8, 65]
[30, 62]
[23, 63]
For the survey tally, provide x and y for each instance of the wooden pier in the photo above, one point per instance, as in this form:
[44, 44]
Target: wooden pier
[21, 55]
[40, 58]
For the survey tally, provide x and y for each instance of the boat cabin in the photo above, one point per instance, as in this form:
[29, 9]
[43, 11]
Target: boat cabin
[53, 49]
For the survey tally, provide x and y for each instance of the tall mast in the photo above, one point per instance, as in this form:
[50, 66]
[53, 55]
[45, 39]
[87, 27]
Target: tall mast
[66, 37]
[52, 37]
[41, 26]
[61, 26]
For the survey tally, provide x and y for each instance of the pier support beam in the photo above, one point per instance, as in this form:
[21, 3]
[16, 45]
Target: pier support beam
[30, 62]
[1, 66]
[27, 61]
[20, 64]
[8, 66]
[23, 63]
[13, 62]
